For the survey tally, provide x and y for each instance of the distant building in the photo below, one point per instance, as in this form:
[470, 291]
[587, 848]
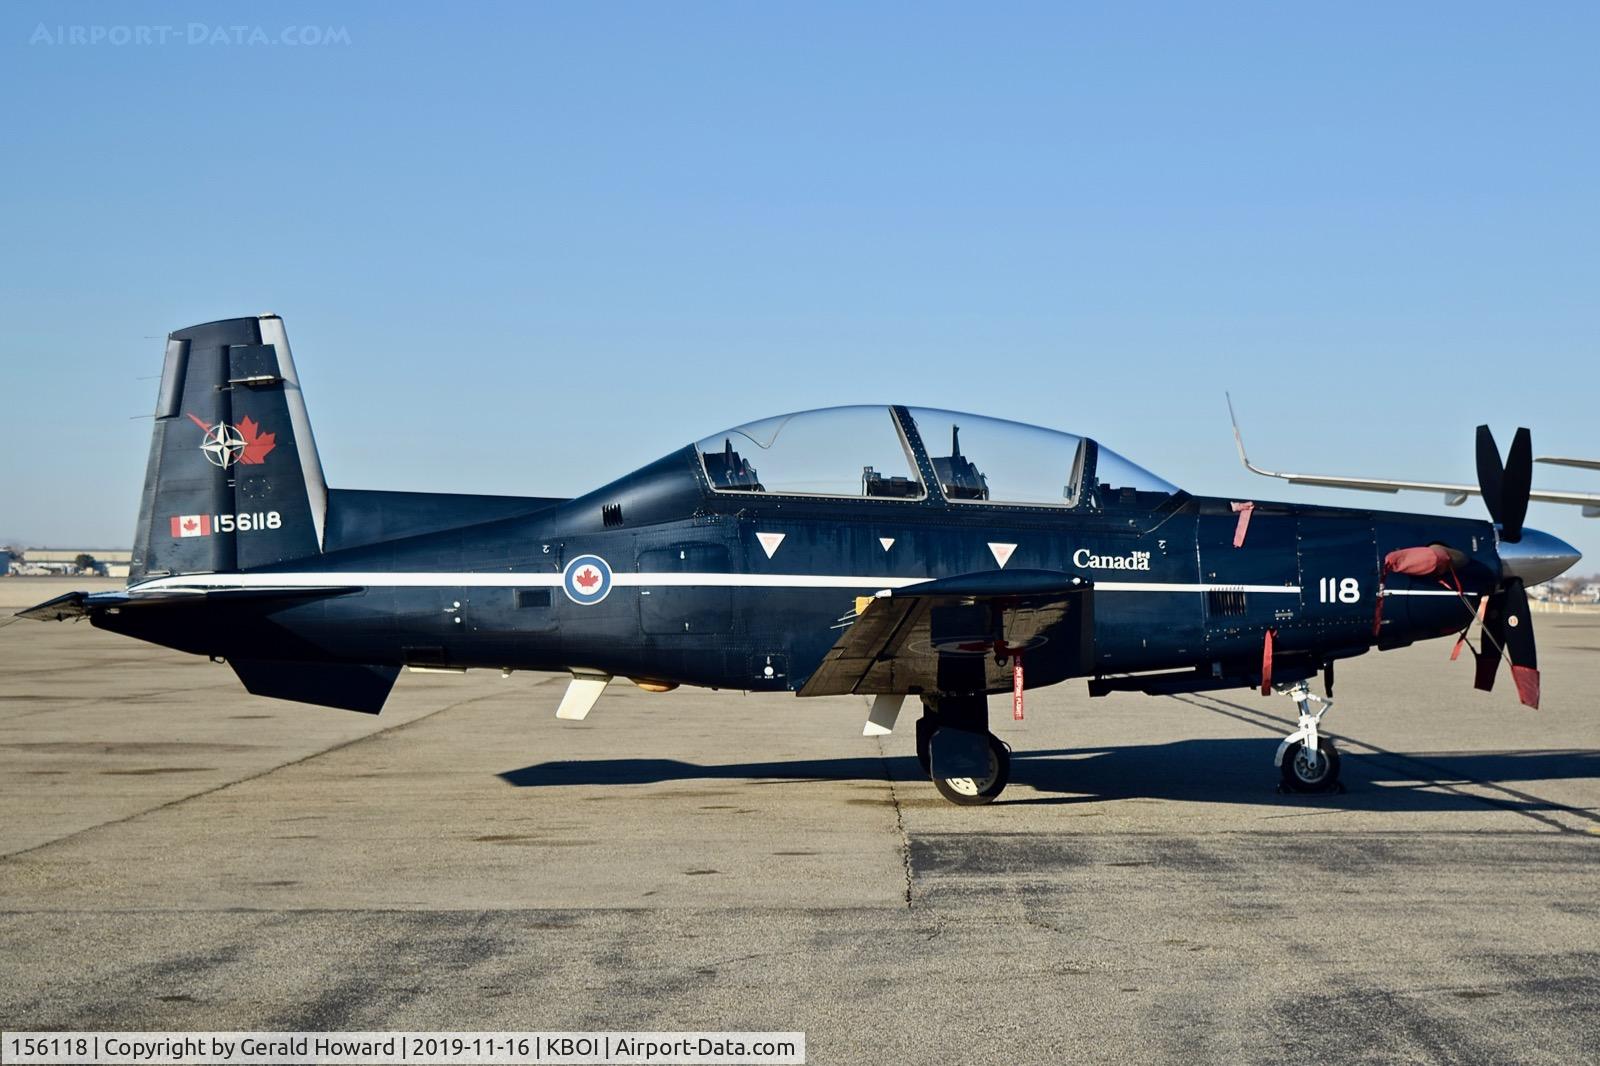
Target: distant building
[108, 562]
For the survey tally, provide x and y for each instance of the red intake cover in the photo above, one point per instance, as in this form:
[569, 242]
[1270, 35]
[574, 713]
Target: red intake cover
[1418, 562]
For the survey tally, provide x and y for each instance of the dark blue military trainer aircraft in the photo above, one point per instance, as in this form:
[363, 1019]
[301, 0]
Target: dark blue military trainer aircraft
[886, 551]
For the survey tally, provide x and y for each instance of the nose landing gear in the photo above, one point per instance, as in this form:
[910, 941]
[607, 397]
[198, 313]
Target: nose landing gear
[1308, 761]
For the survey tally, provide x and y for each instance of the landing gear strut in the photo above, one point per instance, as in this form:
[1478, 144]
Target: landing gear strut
[1308, 761]
[966, 743]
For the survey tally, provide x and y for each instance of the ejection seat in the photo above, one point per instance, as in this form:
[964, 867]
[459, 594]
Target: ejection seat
[961, 479]
[729, 470]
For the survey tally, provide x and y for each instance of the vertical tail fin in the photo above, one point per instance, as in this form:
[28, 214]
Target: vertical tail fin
[233, 481]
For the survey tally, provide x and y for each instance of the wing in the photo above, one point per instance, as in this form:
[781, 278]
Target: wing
[961, 634]
[1454, 494]
[1561, 460]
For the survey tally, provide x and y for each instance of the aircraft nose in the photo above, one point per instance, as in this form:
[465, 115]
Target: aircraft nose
[1537, 557]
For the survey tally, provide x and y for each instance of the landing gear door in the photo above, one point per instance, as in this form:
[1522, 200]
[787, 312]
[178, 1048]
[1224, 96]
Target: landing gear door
[1251, 573]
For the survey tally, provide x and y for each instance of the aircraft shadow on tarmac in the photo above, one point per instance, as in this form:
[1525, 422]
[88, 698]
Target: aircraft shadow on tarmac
[1236, 770]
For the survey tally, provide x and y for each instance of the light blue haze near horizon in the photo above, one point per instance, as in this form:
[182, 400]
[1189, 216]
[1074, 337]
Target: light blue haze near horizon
[525, 248]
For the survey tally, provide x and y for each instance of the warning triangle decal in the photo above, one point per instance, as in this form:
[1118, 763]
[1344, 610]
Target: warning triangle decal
[770, 542]
[887, 542]
[1002, 553]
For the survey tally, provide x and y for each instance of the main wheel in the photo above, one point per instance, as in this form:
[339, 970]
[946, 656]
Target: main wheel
[976, 791]
[1300, 776]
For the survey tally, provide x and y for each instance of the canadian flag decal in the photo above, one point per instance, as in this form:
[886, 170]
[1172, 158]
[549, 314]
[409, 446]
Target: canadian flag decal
[191, 525]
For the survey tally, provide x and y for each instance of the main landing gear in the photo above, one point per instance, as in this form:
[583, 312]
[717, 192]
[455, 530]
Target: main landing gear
[1308, 761]
[968, 764]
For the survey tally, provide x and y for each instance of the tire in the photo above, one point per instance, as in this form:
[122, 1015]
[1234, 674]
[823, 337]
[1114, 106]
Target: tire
[1295, 776]
[967, 792]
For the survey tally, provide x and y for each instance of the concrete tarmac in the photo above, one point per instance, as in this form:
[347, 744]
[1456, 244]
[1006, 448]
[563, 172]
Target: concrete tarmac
[177, 854]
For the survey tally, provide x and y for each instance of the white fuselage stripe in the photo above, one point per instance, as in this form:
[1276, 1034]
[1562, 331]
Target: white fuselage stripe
[1167, 586]
[396, 579]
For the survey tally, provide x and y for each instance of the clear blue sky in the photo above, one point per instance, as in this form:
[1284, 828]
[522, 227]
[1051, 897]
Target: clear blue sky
[525, 248]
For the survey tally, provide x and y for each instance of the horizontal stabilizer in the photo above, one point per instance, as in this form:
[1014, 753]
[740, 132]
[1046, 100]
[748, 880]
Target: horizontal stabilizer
[63, 607]
[347, 686]
[82, 604]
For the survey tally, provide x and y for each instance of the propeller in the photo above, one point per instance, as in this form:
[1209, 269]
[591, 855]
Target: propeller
[1525, 555]
[1507, 623]
[1505, 486]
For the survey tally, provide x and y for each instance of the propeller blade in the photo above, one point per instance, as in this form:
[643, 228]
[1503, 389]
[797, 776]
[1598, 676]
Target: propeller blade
[1520, 644]
[1491, 641]
[1515, 484]
[1491, 473]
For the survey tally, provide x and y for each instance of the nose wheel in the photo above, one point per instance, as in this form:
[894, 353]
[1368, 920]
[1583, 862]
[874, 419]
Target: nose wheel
[1304, 773]
[1308, 761]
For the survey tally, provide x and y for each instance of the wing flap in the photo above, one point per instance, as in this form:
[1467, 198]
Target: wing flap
[960, 634]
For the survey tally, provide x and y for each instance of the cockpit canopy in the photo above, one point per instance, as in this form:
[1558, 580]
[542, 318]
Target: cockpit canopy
[877, 451]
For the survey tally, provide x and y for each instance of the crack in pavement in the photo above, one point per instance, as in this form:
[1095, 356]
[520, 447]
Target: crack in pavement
[899, 819]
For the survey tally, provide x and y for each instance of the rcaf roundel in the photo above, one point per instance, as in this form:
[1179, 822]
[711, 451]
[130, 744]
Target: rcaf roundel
[587, 580]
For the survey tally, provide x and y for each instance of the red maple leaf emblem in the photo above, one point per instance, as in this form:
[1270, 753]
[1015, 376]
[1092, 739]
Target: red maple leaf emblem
[587, 579]
[256, 443]
[190, 525]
